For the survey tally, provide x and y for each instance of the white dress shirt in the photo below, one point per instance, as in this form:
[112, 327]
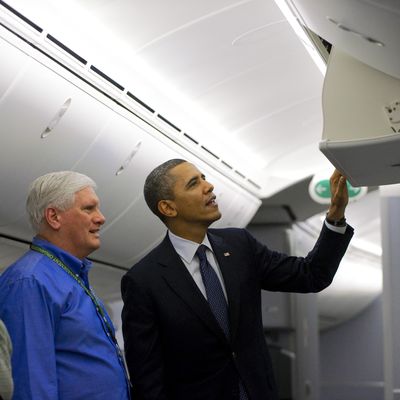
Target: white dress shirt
[338, 229]
[186, 250]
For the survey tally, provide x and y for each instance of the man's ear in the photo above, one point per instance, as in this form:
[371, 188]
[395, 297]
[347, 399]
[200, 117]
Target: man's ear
[52, 218]
[167, 208]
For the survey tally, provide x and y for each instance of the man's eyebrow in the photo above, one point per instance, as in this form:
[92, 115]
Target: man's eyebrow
[89, 205]
[192, 180]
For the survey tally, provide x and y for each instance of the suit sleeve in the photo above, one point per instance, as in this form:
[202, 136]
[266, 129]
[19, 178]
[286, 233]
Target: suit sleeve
[142, 342]
[313, 273]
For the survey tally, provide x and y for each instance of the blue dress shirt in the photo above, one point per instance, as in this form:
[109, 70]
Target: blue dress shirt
[61, 347]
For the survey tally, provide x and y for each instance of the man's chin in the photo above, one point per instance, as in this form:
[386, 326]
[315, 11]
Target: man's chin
[215, 217]
[95, 246]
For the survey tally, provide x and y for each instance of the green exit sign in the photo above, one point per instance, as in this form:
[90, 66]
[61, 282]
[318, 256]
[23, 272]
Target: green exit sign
[320, 191]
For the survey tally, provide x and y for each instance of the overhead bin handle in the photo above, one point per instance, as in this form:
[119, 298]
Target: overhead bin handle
[56, 119]
[129, 159]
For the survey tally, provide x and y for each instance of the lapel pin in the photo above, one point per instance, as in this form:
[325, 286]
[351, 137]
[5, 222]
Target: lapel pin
[227, 254]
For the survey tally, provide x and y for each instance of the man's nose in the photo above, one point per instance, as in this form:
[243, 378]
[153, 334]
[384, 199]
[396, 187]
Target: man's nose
[100, 218]
[209, 187]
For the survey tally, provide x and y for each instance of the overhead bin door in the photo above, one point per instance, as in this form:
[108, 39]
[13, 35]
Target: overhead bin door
[47, 124]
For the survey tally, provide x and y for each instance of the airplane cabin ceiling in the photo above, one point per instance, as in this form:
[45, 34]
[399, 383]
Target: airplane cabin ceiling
[232, 73]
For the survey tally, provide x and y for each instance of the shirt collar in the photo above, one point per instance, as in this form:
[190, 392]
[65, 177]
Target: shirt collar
[77, 265]
[186, 248]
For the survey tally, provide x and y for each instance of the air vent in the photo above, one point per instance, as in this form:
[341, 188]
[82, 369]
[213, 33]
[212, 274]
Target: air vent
[19, 15]
[210, 152]
[106, 77]
[66, 49]
[226, 164]
[142, 103]
[168, 122]
[254, 184]
[190, 138]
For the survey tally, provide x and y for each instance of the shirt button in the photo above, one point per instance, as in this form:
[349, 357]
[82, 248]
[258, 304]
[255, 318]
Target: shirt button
[234, 355]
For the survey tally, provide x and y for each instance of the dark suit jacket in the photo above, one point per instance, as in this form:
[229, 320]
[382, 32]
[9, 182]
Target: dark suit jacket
[174, 346]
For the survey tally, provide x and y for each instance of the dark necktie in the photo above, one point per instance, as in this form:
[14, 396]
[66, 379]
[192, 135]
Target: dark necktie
[216, 299]
[215, 294]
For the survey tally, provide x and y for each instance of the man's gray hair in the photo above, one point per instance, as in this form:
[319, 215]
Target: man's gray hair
[56, 189]
[159, 185]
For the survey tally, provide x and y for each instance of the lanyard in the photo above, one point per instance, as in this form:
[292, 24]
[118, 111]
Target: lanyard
[98, 307]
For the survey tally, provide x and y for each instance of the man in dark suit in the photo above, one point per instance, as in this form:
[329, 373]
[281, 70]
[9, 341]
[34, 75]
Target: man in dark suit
[192, 325]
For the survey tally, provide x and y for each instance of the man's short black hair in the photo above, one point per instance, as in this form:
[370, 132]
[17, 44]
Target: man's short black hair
[159, 185]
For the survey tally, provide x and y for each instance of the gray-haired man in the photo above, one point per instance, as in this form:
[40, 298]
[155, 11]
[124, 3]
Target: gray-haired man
[64, 342]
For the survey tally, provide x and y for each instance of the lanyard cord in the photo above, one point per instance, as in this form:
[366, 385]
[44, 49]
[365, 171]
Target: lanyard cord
[98, 307]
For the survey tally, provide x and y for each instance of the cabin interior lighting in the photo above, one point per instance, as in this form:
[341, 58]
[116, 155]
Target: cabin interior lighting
[300, 32]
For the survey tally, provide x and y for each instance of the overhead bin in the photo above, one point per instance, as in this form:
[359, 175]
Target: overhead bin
[368, 30]
[361, 134]
[46, 124]
[361, 93]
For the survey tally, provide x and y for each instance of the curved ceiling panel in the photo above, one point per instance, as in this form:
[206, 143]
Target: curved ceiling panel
[45, 117]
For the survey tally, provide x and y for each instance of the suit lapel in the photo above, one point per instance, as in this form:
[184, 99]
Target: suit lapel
[225, 257]
[180, 281]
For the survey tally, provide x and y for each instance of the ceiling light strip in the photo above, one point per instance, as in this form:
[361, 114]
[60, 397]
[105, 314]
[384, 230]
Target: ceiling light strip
[287, 9]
